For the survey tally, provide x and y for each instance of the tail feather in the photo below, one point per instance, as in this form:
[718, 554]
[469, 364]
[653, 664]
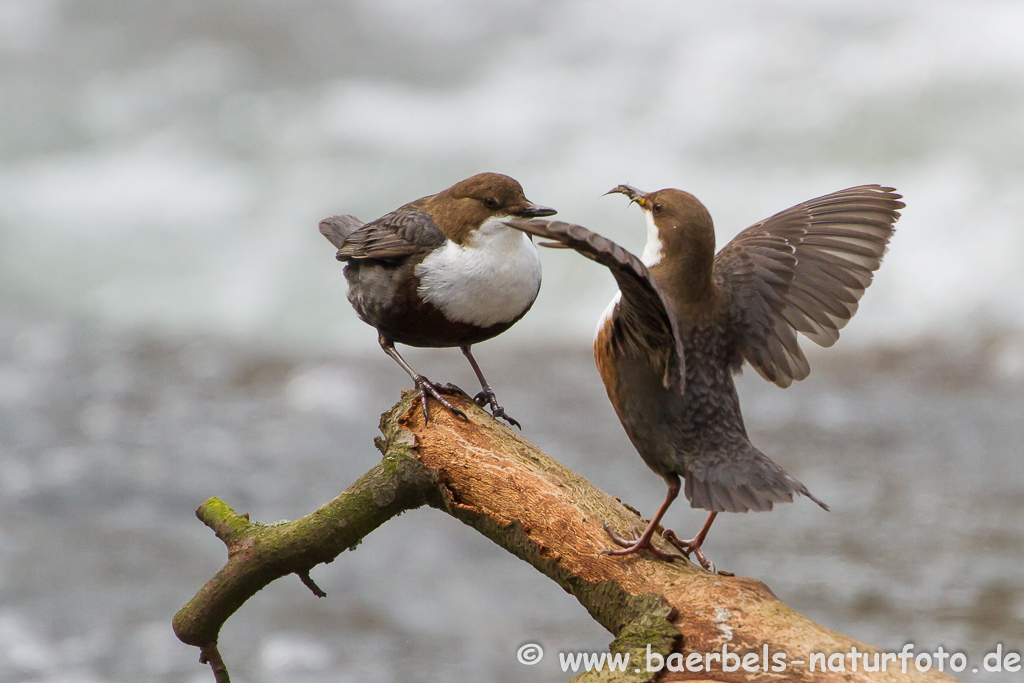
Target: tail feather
[744, 482]
[338, 228]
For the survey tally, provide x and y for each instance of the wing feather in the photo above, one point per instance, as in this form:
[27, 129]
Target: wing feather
[393, 237]
[804, 270]
[646, 323]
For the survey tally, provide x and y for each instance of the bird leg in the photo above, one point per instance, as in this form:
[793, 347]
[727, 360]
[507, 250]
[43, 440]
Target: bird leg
[694, 544]
[424, 385]
[636, 544]
[487, 397]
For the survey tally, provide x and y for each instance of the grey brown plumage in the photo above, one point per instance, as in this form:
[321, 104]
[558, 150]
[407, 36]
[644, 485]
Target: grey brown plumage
[800, 271]
[804, 270]
[337, 228]
[420, 274]
[383, 286]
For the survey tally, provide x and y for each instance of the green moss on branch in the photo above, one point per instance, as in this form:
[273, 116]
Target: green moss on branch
[258, 553]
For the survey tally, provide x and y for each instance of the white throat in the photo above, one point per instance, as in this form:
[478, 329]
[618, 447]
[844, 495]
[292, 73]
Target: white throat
[609, 311]
[652, 250]
[491, 279]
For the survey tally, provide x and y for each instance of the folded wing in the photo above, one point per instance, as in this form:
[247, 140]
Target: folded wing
[390, 238]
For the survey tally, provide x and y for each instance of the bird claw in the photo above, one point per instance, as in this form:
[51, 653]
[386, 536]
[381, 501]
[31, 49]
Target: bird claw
[635, 545]
[498, 411]
[427, 387]
[690, 547]
[454, 389]
[488, 399]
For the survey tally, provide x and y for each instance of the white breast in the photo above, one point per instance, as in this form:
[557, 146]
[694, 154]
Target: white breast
[492, 279]
[652, 250]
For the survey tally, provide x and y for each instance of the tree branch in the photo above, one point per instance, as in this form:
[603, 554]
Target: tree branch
[487, 476]
[260, 553]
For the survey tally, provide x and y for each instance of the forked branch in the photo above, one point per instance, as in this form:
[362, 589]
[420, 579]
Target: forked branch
[489, 477]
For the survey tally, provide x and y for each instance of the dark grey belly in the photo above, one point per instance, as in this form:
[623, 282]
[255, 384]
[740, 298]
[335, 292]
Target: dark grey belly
[384, 296]
[672, 431]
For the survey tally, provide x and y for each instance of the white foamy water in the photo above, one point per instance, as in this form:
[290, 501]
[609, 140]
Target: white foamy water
[168, 166]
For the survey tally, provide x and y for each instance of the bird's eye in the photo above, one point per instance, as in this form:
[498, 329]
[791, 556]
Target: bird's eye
[491, 203]
[656, 208]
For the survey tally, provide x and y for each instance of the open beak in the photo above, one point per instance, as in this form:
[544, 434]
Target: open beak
[535, 211]
[634, 194]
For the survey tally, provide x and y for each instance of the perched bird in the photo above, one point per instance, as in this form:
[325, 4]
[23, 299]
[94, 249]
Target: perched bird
[443, 271]
[685, 320]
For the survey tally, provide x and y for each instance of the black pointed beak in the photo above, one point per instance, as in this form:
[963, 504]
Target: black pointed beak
[535, 211]
[634, 194]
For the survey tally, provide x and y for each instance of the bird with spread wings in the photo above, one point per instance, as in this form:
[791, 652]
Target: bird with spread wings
[683, 324]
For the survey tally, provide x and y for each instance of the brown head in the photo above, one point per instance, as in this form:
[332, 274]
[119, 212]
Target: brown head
[468, 204]
[680, 248]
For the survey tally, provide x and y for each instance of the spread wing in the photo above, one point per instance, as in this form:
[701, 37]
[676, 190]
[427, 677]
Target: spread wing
[393, 237]
[645, 324]
[804, 270]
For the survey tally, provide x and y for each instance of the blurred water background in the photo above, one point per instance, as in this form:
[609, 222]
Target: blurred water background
[172, 325]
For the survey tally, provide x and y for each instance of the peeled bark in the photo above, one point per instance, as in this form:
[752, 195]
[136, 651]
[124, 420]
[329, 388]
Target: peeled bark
[489, 477]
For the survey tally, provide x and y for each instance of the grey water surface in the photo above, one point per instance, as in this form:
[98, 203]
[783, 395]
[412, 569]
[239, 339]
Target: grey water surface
[110, 440]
